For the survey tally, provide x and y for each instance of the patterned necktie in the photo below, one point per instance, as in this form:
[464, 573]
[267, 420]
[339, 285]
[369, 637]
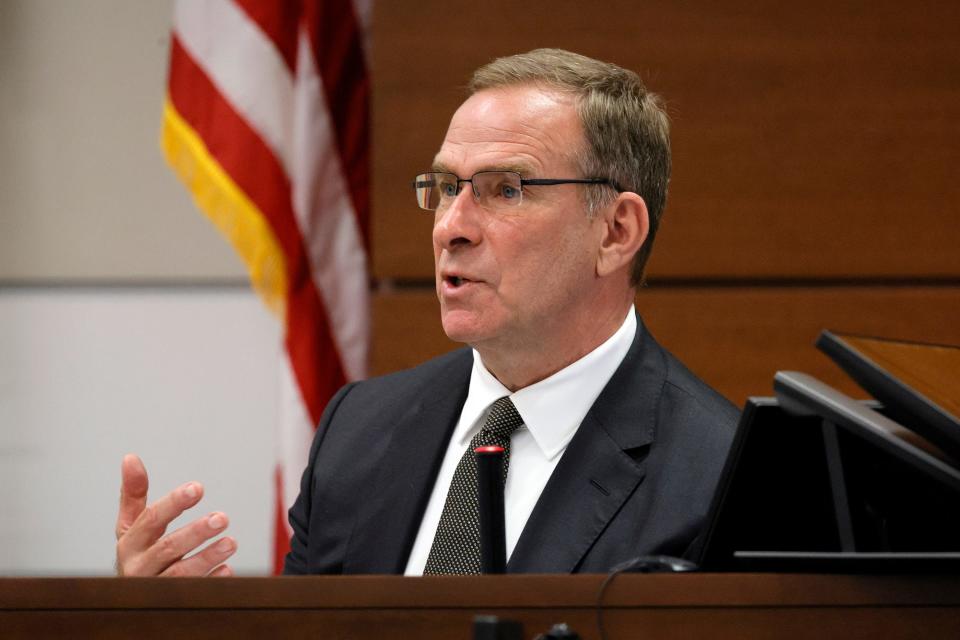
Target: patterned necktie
[456, 547]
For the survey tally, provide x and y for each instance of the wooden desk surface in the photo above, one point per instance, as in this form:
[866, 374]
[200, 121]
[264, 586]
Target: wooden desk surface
[648, 606]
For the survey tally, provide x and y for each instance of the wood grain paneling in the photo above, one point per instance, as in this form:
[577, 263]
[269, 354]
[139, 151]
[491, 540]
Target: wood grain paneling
[735, 338]
[815, 139]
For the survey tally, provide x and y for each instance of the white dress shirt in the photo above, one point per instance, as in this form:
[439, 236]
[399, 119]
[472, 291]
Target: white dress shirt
[552, 410]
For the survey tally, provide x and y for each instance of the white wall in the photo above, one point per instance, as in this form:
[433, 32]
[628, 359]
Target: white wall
[185, 378]
[84, 191]
[112, 338]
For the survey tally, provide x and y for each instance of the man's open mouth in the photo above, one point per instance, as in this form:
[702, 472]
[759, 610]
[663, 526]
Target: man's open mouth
[457, 281]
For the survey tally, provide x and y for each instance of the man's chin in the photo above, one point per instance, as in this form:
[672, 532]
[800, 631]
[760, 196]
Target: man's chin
[457, 334]
[461, 327]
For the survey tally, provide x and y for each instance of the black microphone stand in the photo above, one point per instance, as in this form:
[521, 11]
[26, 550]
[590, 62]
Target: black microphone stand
[493, 535]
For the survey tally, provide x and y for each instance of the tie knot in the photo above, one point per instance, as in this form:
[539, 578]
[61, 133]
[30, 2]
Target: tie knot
[503, 419]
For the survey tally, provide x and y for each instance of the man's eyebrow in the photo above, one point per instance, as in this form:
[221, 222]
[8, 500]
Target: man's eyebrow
[522, 169]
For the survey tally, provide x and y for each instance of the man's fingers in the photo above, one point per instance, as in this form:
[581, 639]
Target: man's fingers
[206, 561]
[171, 548]
[142, 547]
[133, 492]
[223, 571]
[152, 521]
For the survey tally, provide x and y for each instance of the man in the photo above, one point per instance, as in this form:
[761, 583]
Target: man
[547, 193]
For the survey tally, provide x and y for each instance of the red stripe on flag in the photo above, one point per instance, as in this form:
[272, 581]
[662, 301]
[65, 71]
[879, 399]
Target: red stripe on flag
[279, 21]
[337, 43]
[251, 164]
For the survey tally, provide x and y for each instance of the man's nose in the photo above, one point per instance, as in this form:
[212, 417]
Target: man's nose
[460, 222]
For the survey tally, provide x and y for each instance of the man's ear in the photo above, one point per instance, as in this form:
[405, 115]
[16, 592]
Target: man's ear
[626, 224]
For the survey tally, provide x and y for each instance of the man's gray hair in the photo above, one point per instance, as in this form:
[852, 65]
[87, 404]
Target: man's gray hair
[626, 126]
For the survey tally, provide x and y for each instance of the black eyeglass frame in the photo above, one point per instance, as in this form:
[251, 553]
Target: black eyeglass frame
[533, 182]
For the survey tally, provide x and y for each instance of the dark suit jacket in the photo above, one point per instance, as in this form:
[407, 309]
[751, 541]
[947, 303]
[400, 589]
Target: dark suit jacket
[637, 478]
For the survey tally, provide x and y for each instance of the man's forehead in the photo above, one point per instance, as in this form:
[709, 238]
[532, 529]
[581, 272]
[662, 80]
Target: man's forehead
[519, 128]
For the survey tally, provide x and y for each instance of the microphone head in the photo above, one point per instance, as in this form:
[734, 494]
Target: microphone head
[488, 449]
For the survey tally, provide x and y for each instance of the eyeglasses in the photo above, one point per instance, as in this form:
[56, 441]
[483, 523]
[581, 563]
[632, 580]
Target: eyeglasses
[491, 189]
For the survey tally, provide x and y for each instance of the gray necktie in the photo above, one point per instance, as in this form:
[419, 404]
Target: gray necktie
[456, 547]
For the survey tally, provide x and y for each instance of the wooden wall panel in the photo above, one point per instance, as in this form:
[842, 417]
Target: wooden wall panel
[736, 338]
[815, 139]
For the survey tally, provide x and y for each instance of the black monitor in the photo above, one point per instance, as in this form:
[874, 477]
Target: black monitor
[816, 481]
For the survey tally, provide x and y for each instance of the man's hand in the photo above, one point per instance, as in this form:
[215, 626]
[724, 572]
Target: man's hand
[142, 547]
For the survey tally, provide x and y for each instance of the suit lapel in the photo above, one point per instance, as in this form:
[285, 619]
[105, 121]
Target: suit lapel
[388, 522]
[596, 475]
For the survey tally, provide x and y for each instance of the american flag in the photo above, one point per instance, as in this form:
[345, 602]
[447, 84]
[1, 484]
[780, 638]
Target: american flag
[266, 123]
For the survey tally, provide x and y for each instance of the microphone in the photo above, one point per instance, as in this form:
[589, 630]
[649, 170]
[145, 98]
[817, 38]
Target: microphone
[493, 535]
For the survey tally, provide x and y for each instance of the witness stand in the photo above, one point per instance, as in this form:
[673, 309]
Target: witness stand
[361, 607]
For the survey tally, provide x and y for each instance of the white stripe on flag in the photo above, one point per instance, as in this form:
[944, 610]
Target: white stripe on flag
[325, 215]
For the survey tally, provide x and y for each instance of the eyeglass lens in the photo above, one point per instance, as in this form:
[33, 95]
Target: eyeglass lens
[492, 189]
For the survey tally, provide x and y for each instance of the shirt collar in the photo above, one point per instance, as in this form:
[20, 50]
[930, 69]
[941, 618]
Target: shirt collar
[553, 408]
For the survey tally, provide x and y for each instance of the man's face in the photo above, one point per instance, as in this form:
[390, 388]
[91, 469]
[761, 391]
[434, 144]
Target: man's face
[517, 278]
